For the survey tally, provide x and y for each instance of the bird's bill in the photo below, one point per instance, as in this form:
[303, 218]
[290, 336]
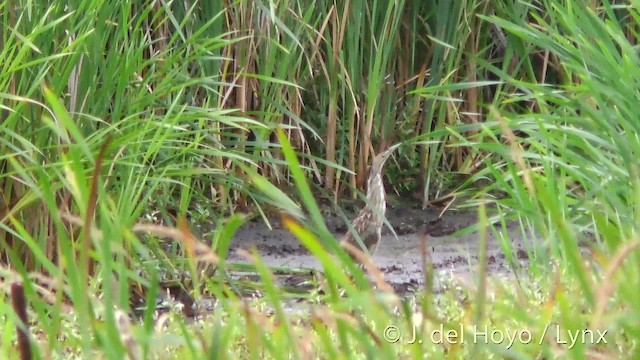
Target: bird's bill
[391, 149]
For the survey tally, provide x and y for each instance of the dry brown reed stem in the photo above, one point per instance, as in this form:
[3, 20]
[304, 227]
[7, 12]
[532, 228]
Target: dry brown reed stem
[608, 285]
[369, 266]
[19, 303]
[516, 150]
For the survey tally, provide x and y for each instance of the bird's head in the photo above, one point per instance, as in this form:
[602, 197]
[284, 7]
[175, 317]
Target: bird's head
[380, 159]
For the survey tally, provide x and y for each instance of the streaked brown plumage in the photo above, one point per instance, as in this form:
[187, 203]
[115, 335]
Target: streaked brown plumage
[368, 223]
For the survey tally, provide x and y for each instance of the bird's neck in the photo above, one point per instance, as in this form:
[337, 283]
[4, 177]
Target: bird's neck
[376, 194]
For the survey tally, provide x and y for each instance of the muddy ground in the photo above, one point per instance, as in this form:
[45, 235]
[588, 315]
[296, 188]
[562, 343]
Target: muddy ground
[400, 259]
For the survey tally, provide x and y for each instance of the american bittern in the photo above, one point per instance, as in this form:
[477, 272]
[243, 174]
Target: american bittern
[368, 223]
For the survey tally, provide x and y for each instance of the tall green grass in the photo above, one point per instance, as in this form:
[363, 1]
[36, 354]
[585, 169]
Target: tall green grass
[125, 123]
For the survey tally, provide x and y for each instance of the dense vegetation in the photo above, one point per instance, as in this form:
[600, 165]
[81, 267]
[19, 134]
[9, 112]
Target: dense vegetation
[126, 123]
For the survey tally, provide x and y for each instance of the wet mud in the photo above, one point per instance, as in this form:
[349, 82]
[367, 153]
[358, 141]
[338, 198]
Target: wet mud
[401, 258]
